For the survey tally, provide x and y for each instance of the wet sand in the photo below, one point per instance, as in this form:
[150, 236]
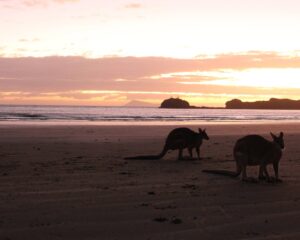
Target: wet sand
[71, 182]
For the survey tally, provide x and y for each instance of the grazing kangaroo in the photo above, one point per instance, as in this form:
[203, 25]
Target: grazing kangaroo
[253, 150]
[179, 138]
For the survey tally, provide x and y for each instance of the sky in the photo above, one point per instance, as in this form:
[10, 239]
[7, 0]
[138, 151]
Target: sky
[108, 53]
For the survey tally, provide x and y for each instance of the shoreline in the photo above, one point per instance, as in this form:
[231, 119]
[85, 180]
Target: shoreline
[146, 123]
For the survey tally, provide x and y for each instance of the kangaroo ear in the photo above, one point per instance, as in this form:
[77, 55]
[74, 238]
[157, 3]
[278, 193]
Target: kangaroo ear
[281, 134]
[204, 129]
[200, 130]
[272, 135]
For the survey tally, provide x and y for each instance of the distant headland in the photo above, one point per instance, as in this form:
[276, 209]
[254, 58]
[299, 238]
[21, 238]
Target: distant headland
[273, 103]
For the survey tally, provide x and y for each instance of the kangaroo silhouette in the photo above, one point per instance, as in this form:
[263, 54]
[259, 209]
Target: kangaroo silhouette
[179, 139]
[253, 150]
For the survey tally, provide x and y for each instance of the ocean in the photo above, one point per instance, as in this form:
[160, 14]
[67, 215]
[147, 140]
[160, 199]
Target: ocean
[138, 115]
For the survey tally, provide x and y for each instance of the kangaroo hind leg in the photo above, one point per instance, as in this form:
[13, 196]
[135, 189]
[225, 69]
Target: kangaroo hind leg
[261, 175]
[180, 154]
[243, 164]
[191, 152]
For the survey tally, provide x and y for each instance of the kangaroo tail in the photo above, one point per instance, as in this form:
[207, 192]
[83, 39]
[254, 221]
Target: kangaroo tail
[149, 157]
[223, 172]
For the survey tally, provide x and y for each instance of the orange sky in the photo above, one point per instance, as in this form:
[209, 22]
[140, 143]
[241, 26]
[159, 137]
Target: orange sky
[95, 52]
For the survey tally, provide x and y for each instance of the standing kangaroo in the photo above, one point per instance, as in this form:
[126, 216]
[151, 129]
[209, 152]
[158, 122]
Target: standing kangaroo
[253, 150]
[179, 138]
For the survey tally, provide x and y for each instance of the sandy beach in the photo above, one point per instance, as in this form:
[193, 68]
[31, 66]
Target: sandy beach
[71, 182]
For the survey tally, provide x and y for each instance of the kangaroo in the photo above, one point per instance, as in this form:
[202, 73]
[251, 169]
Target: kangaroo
[179, 138]
[253, 150]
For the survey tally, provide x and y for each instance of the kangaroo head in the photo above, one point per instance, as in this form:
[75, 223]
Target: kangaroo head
[278, 140]
[203, 134]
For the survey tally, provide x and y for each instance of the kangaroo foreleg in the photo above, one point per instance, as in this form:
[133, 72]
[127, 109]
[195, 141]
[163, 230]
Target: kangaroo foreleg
[244, 172]
[275, 166]
[198, 152]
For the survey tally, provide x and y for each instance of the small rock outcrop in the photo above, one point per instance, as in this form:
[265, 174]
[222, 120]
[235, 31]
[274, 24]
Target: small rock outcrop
[175, 103]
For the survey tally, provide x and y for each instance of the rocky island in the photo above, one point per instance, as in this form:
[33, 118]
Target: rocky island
[179, 103]
[175, 103]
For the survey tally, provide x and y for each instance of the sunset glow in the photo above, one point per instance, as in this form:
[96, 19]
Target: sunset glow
[206, 52]
[260, 78]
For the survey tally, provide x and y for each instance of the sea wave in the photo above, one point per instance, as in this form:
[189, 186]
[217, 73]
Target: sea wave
[57, 113]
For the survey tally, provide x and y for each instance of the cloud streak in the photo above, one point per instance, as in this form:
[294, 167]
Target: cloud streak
[33, 3]
[133, 6]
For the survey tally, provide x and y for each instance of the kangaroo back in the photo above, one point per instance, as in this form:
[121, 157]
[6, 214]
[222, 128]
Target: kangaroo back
[181, 138]
[252, 146]
[254, 150]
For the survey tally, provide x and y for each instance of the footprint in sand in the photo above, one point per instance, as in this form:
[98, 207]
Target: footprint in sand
[160, 219]
[176, 220]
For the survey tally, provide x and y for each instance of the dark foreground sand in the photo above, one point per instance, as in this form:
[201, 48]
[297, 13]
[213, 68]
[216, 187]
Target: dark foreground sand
[70, 182]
